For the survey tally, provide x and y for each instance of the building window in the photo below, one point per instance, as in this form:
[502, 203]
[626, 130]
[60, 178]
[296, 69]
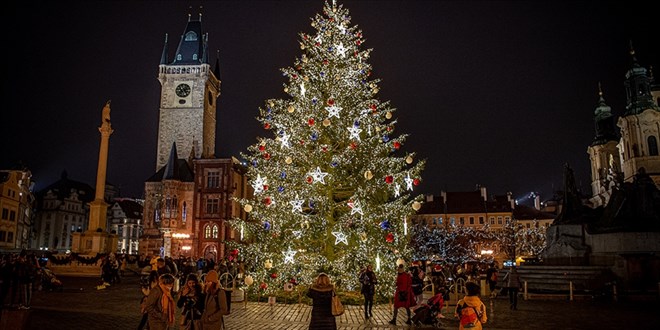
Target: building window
[191, 36]
[499, 220]
[440, 220]
[184, 212]
[507, 219]
[213, 179]
[472, 220]
[3, 235]
[10, 237]
[461, 221]
[452, 220]
[5, 214]
[207, 231]
[168, 205]
[481, 220]
[212, 205]
[215, 231]
[653, 146]
[492, 220]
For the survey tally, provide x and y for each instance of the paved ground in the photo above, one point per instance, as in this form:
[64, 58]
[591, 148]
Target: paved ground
[80, 306]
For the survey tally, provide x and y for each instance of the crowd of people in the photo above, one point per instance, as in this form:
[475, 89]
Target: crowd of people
[20, 274]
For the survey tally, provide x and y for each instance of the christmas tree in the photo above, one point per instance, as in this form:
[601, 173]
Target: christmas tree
[332, 186]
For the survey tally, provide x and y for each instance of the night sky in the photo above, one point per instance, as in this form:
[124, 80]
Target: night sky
[496, 93]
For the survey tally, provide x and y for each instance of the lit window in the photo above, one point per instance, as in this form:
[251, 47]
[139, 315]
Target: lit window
[215, 231]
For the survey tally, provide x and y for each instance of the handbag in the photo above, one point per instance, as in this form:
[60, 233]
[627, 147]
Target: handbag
[337, 307]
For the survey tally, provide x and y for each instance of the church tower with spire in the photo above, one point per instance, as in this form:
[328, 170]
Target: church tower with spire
[640, 124]
[189, 91]
[603, 153]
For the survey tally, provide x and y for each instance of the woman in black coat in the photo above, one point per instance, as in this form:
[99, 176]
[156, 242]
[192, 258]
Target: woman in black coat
[321, 293]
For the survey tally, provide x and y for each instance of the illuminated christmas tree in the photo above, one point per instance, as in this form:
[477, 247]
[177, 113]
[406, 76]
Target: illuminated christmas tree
[332, 186]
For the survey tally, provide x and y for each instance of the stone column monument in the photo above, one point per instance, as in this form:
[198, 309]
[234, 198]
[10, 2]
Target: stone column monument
[96, 239]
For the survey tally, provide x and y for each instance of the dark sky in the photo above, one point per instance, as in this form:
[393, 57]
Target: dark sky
[496, 93]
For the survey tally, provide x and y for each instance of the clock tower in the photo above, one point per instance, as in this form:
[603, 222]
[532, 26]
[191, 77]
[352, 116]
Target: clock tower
[189, 91]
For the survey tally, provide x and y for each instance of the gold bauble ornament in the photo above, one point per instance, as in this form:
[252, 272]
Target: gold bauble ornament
[249, 280]
[363, 237]
[268, 264]
[302, 46]
[286, 89]
[388, 115]
[247, 208]
[409, 160]
[306, 78]
[304, 58]
[375, 90]
[326, 122]
[368, 175]
[290, 109]
[288, 160]
[416, 206]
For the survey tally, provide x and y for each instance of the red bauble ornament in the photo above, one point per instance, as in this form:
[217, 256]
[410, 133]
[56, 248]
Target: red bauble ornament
[331, 101]
[305, 37]
[234, 252]
[353, 145]
[397, 145]
[310, 179]
[416, 182]
[262, 148]
[372, 107]
[317, 44]
[267, 155]
[266, 125]
[273, 275]
[265, 187]
[298, 67]
[267, 201]
[294, 76]
[389, 179]
[389, 128]
[310, 122]
[324, 148]
[263, 286]
[358, 42]
[389, 238]
[359, 35]
[325, 62]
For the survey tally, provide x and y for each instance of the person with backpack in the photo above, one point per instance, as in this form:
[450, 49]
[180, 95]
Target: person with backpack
[470, 311]
[215, 303]
[491, 277]
[512, 284]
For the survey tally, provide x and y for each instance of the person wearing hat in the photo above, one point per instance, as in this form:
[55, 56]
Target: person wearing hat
[191, 299]
[160, 305]
[215, 303]
[403, 296]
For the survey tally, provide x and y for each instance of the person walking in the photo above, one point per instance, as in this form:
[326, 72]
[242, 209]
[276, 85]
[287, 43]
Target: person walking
[368, 280]
[403, 296]
[321, 293]
[215, 303]
[512, 282]
[470, 311]
[491, 277]
[146, 286]
[191, 299]
[160, 304]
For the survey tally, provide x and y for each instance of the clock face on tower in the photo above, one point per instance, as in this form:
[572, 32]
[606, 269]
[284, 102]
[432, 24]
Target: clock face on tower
[182, 90]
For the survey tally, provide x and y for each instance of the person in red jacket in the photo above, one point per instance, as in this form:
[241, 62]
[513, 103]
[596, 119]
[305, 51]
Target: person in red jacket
[403, 296]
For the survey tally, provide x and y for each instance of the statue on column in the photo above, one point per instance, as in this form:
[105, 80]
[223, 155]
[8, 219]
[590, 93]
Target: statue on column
[106, 112]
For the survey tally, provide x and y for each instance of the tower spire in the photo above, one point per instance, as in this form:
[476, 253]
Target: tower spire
[163, 57]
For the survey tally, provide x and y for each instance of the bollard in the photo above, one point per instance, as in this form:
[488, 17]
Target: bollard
[525, 291]
[614, 294]
[570, 290]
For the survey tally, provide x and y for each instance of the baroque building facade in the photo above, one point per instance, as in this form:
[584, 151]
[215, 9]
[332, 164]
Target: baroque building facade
[16, 209]
[619, 151]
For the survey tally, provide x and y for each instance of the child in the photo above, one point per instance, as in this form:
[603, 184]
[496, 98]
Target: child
[470, 310]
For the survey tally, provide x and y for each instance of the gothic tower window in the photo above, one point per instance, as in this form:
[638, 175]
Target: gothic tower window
[207, 231]
[215, 231]
[653, 146]
[191, 36]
